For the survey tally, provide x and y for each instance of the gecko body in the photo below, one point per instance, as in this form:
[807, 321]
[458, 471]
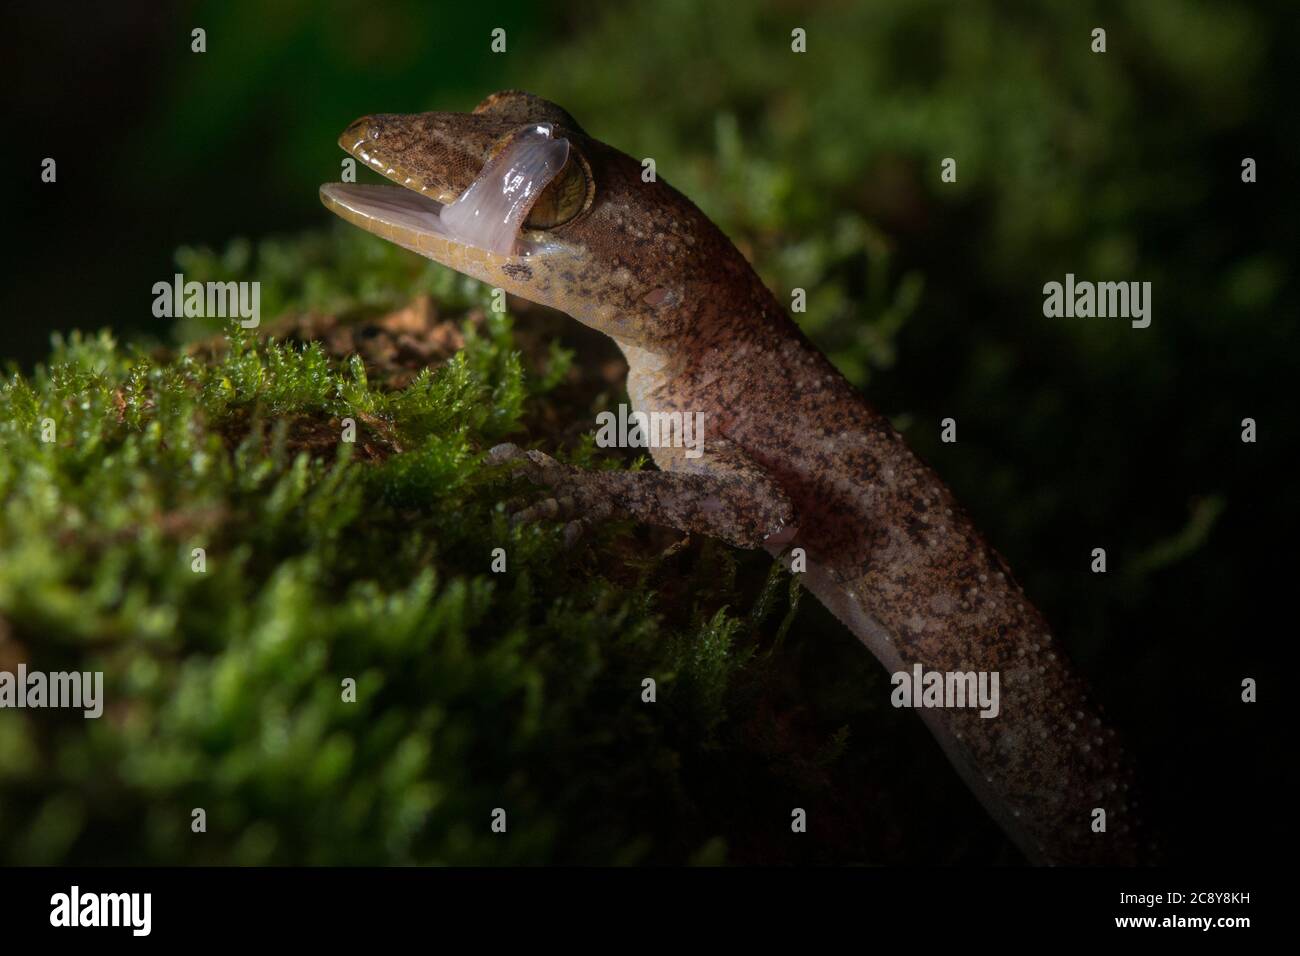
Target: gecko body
[794, 456]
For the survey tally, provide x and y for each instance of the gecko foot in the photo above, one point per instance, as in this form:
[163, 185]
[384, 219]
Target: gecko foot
[577, 497]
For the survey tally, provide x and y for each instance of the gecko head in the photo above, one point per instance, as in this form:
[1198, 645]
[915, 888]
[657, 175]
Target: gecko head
[517, 195]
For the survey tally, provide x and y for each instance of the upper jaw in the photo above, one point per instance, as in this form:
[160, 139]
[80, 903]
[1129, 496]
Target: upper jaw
[364, 139]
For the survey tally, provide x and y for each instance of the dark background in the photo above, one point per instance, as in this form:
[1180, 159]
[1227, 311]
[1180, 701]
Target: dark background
[1073, 434]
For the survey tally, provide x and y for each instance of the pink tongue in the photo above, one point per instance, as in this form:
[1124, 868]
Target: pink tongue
[490, 213]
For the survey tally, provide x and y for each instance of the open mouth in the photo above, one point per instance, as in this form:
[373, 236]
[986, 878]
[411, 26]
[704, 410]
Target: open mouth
[488, 217]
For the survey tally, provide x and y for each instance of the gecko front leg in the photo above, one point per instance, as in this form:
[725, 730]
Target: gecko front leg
[722, 494]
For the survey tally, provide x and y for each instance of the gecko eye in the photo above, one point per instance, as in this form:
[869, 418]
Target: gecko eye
[568, 194]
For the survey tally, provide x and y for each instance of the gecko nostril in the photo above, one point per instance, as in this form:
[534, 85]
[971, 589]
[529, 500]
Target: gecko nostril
[358, 133]
[360, 128]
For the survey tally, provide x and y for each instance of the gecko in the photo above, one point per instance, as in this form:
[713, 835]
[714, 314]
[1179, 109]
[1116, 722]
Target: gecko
[796, 461]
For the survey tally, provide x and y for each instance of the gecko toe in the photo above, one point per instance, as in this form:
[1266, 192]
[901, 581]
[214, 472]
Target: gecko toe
[539, 467]
[547, 509]
[499, 454]
[573, 532]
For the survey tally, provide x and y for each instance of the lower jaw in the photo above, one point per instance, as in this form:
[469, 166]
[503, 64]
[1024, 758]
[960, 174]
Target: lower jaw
[412, 221]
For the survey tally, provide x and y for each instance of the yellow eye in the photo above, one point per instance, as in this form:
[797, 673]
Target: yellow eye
[565, 196]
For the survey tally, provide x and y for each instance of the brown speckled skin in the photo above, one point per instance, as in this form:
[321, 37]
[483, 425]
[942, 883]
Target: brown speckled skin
[795, 457]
